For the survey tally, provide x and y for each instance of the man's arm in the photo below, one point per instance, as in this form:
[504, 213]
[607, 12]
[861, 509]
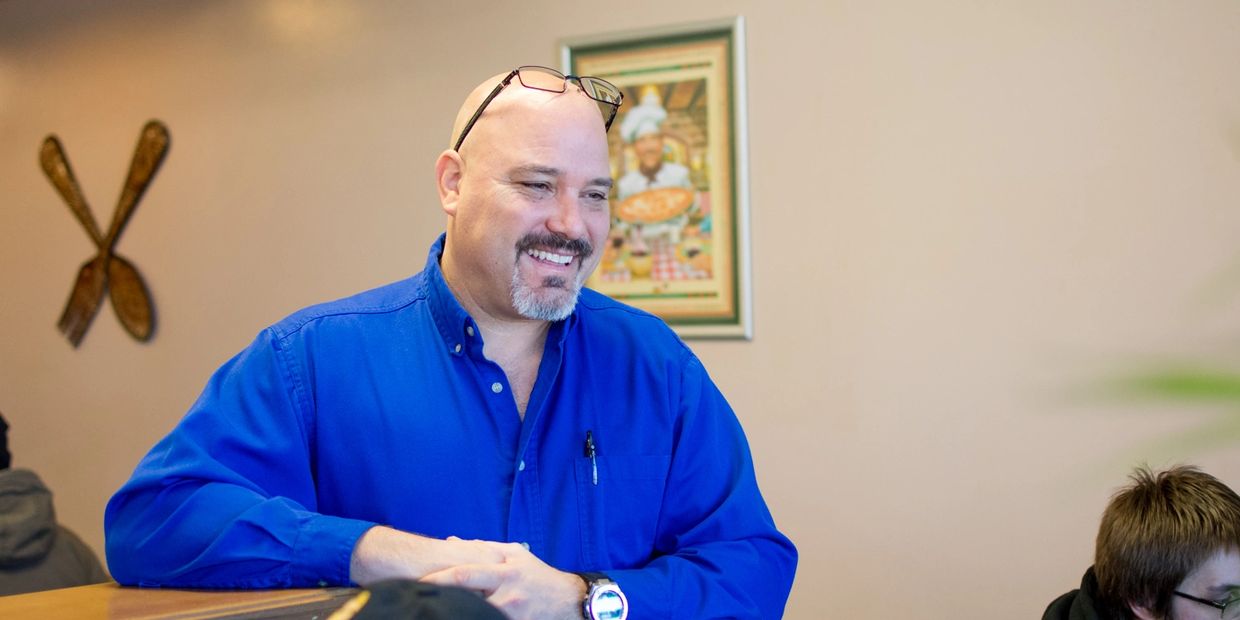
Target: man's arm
[718, 552]
[384, 553]
[228, 499]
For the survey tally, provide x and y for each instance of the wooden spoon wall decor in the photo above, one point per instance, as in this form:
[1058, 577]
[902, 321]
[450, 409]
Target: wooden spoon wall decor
[108, 270]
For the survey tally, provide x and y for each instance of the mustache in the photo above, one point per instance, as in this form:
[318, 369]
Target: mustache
[578, 247]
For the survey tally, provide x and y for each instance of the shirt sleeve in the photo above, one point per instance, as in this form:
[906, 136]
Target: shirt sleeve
[227, 499]
[721, 555]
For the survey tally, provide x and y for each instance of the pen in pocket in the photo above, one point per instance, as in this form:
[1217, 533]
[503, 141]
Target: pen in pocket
[593, 454]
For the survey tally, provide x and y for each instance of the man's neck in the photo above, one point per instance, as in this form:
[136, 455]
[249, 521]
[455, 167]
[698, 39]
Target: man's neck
[517, 347]
[513, 342]
[510, 339]
[505, 333]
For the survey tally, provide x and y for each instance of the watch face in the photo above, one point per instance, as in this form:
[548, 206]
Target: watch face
[608, 604]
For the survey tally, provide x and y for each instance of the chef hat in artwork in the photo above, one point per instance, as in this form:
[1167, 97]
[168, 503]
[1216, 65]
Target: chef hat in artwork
[645, 118]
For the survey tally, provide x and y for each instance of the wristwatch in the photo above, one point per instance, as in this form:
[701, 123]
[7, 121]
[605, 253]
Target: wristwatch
[604, 600]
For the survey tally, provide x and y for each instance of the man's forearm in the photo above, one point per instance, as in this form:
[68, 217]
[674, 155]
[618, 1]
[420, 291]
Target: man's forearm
[386, 553]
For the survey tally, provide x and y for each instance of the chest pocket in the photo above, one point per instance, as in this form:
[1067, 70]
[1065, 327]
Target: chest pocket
[619, 515]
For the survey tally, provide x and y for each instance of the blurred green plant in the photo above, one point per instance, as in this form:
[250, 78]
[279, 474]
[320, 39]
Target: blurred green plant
[1181, 384]
[1185, 385]
[1201, 386]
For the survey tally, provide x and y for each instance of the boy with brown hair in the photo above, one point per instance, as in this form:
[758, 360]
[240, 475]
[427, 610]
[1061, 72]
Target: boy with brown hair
[1168, 548]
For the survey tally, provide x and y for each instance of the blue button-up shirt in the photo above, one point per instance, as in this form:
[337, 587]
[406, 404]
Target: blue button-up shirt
[382, 409]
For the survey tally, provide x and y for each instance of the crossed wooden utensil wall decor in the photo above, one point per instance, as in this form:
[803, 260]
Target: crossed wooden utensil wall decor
[108, 270]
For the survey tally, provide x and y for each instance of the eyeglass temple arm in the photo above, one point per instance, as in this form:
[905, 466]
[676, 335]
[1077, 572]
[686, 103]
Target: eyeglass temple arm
[1203, 601]
[483, 106]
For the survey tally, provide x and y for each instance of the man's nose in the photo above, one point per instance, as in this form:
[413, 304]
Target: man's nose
[566, 220]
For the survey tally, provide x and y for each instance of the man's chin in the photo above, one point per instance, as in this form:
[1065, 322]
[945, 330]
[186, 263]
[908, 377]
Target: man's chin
[545, 303]
[541, 310]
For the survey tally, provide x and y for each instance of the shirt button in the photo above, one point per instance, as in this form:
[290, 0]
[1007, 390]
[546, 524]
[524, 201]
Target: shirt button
[521, 465]
[526, 545]
[496, 387]
[469, 329]
[457, 348]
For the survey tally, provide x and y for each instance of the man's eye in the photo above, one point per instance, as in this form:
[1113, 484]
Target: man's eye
[596, 196]
[537, 186]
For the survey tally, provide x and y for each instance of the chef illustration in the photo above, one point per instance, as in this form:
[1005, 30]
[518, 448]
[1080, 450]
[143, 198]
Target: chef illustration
[642, 127]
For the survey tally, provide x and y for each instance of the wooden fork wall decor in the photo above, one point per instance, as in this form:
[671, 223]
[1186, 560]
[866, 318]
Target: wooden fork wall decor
[108, 270]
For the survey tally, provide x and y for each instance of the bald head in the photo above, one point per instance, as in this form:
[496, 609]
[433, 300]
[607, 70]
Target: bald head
[471, 103]
[515, 98]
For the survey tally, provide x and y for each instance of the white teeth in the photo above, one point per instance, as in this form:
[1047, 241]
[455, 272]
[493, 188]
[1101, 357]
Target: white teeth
[559, 259]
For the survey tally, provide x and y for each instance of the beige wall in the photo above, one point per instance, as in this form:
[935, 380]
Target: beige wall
[965, 216]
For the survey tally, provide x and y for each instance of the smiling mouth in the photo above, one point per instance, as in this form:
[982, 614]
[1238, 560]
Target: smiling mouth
[549, 257]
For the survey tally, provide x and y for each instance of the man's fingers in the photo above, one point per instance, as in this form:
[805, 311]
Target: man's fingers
[478, 577]
[511, 550]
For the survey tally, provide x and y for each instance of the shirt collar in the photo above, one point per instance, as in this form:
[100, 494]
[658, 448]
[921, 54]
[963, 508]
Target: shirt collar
[451, 320]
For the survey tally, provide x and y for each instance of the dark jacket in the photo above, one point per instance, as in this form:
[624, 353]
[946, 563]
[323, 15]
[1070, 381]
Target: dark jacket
[1082, 604]
[36, 553]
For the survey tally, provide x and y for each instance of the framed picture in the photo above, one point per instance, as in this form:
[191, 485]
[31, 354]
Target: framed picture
[679, 245]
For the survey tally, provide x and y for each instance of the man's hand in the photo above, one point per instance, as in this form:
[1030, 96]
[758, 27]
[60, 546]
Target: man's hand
[385, 553]
[521, 585]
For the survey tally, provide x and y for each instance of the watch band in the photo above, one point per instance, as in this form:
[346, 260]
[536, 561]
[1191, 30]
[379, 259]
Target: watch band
[590, 578]
[604, 600]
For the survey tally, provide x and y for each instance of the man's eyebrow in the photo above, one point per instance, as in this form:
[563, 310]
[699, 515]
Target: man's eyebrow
[535, 169]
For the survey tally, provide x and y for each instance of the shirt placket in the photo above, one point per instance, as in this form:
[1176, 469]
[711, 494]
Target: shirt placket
[526, 522]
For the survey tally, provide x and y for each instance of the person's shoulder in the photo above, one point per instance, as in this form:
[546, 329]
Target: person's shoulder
[69, 539]
[1079, 604]
[375, 302]
[603, 317]
[593, 302]
[1060, 608]
[675, 171]
[20, 481]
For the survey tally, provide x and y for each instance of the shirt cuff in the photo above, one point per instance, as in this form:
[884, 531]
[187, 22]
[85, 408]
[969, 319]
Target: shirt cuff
[324, 550]
[646, 591]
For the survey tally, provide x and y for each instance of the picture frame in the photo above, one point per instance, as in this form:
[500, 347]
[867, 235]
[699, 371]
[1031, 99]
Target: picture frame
[679, 245]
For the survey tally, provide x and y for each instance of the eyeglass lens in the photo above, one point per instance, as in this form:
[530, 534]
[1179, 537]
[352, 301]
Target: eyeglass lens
[1232, 611]
[602, 91]
[544, 78]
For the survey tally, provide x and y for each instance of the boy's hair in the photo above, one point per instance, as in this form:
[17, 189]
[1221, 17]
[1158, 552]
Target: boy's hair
[1156, 531]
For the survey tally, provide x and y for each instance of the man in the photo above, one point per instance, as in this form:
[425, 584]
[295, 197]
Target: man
[36, 553]
[1168, 547]
[486, 423]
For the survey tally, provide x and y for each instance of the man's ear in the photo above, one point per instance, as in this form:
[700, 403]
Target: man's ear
[1141, 612]
[448, 171]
